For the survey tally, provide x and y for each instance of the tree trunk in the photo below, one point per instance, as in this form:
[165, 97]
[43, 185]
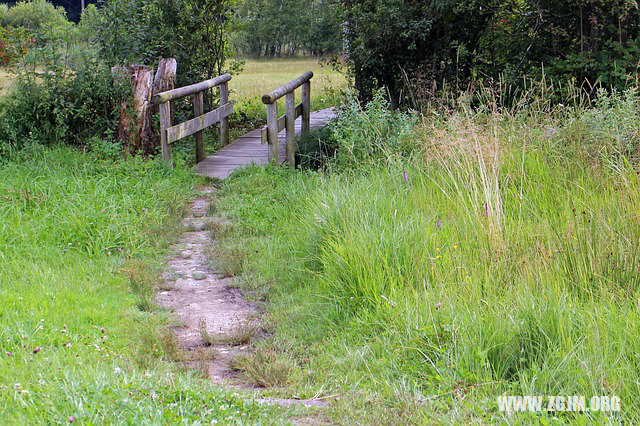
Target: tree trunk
[135, 128]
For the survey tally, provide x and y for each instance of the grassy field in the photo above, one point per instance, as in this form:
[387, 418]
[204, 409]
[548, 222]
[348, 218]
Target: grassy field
[261, 76]
[81, 244]
[444, 262]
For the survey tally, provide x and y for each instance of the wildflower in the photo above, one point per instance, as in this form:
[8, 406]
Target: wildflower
[405, 177]
[104, 210]
[486, 209]
[9, 353]
[439, 223]
[71, 419]
[78, 242]
[455, 246]
[120, 250]
[144, 209]
[36, 350]
[438, 305]
[67, 345]
[102, 329]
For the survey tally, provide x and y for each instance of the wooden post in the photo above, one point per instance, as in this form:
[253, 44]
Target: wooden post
[290, 127]
[165, 123]
[198, 109]
[306, 109]
[272, 131]
[224, 123]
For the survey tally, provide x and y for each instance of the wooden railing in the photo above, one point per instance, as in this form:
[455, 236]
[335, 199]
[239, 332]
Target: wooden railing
[170, 133]
[275, 124]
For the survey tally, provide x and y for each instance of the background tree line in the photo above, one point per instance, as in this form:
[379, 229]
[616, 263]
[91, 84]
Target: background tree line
[396, 43]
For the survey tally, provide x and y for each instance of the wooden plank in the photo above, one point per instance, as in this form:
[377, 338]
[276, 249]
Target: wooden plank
[306, 109]
[272, 126]
[194, 125]
[224, 122]
[165, 123]
[290, 102]
[198, 110]
[273, 96]
[190, 90]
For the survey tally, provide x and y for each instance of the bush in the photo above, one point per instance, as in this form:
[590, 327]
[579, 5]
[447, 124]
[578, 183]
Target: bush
[47, 22]
[61, 106]
[15, 43]
[371, 134]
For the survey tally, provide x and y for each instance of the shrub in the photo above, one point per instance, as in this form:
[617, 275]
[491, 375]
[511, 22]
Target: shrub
[371, 134]
[40, 17]
[14, 44]
[61, 106]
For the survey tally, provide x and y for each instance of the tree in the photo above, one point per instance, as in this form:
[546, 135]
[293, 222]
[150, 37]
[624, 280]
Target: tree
[457, 41]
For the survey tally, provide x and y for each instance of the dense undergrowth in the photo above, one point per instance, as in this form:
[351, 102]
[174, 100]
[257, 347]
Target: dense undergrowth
[81, 244]
[435, 263]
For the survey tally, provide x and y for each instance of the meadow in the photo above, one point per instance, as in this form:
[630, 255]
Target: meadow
[262, 75]
[81, 251]
[435, 263]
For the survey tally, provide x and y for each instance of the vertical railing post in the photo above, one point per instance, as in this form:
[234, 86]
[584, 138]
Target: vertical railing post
[165, 123]
[290, 126]
[198, 110]
[224, 123]
[306, 109]
[272, 131]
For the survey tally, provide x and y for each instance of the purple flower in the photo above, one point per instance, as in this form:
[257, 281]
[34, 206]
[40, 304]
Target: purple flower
[9, 353]
[486, 209]
[405, 177]
[438, 305]
[439, 223]
[36, 350]
[71, 419]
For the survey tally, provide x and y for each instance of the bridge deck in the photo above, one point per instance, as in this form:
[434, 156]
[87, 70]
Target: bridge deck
[248, 149]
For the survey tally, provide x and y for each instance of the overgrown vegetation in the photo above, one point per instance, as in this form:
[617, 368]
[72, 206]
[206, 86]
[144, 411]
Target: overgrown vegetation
[449, 259]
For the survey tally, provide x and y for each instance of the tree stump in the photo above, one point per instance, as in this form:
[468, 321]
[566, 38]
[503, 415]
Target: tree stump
[135, 127]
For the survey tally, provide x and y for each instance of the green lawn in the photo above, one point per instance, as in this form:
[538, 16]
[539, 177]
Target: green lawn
[81, 245]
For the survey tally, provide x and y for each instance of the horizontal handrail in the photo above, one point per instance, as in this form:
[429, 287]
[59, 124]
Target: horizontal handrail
[273, 96]
[181, 92]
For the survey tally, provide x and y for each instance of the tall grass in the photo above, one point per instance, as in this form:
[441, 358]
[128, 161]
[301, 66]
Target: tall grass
[499, 255]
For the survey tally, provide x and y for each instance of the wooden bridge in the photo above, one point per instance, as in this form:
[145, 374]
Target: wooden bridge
[273, 144]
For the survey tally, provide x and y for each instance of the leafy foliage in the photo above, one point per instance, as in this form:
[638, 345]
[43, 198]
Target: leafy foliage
[14, 44]
[284, 27]
[193, 32]
[41, 18]
[456, 41]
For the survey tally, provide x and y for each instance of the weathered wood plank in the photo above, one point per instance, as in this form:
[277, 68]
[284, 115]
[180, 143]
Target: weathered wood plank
[286, 88]
[194, 125]
[224, 122]
[198, 110]
[272, 131]
[181, 92]
[290, 102]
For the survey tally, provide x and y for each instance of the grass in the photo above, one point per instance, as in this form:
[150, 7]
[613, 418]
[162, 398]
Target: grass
[481, 254]
[81, 245]
[261, 76]
[6, 79]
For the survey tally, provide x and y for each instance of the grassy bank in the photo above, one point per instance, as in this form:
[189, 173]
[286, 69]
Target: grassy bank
[81, 249]
[446, 261]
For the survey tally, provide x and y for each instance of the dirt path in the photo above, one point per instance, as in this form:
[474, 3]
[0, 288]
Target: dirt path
[210, 310]
[213, 315]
